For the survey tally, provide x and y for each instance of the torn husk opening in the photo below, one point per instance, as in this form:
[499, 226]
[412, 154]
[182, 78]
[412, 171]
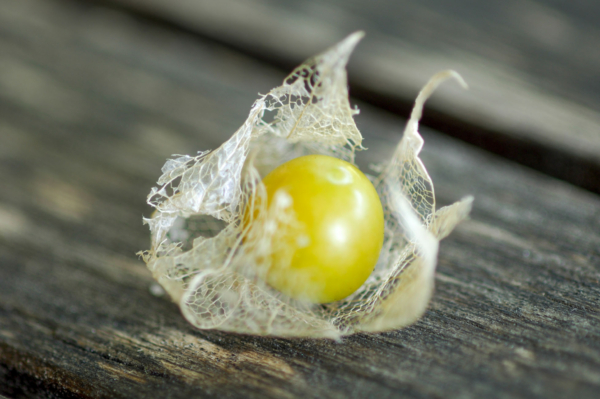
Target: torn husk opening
[211, 263]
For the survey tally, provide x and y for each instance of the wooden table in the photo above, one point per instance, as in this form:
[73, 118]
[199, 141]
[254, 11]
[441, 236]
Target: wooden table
[95, 95]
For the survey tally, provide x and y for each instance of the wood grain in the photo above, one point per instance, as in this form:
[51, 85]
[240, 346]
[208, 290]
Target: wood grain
[531, 65]
[91, 104]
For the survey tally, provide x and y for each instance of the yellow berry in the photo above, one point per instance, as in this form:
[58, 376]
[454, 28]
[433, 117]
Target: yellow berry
[341, 216]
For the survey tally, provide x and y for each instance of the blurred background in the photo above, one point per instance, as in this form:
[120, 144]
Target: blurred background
[531, 64]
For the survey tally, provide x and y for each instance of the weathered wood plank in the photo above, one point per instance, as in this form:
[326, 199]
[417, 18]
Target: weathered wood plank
[92, 102]
[532, 66]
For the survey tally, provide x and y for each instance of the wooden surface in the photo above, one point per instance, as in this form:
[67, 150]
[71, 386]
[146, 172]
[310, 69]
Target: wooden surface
[531, 65]
[92, 101]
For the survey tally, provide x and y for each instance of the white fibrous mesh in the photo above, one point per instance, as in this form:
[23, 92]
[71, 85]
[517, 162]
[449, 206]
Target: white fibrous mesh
[213, 264]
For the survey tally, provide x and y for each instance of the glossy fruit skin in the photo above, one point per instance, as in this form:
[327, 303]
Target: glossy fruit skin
[342, 216]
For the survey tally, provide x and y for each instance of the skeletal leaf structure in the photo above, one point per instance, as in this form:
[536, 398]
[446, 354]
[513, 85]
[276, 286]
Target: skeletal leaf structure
[212, 263]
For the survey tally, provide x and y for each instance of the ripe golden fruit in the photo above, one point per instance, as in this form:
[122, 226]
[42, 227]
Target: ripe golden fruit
[342, 217]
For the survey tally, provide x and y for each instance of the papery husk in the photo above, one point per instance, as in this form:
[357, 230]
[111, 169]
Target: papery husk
[213, 264]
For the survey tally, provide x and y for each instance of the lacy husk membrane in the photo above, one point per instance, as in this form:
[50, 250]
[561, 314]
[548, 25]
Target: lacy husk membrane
[212, 264]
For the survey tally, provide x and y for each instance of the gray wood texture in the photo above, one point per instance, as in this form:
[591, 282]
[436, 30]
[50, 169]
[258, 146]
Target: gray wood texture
[532, 65]
[92, 102]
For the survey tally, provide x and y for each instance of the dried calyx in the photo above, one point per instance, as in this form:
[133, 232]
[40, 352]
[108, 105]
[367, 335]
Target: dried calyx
[211, 263]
